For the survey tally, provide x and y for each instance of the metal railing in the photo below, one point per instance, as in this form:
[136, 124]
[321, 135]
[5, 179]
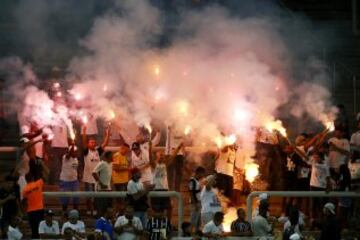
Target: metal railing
[174, 194]
[249, 200]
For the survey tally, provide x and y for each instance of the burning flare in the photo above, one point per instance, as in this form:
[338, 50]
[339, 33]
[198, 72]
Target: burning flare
[148, 127]
[72, 134]
[187, 130]
[84, 119]
[111, 114]
[78, 96]
[330, 126]
[157, 70]
[276, 125]
[251, 171]
[222, 141]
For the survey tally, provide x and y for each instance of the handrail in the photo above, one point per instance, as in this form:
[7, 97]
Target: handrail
[249, 200]
[110, 194]
[9, 149]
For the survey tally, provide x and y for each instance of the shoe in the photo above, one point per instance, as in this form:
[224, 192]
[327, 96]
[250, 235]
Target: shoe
[88, 212]
[94, 213]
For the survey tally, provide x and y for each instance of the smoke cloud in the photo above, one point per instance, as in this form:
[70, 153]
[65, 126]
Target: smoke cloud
[221, 72]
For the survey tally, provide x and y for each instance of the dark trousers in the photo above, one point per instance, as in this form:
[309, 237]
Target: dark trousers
[55, 164]
[175, 172]
[316, 203]
[35, 217]
[225, 183]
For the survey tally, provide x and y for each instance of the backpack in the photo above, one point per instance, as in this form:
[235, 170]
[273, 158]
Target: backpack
[288, 232]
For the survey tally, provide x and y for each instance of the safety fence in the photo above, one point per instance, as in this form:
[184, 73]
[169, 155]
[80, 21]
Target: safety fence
[151, 194]
[312, 194]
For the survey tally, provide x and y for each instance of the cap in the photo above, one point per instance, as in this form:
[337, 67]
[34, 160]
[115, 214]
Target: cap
[74, 213]
[330, 207]
[49, 212]
[295, 236]
[135, 145]
[24, 140]
[263, 196]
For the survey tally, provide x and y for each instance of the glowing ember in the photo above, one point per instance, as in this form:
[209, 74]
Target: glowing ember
[111, 115]
[84, 119]
[231, 139]
[276, 125]
[56, 85]
[241, 115]
[183, 107]
[77, 96]
[221, 141]
[187, 130]
[330, 126]
[157, 70]
[218, 141]
[50, 137]
[148, 127]
[72, 134]
[251, 171]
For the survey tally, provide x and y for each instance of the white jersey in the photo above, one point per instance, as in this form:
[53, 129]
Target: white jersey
[104, 170]
[173, 140]
[69, 169]
[123, 221]
[336, 159]
[160, 177]
[79, 227]
[53, 229]
[225, 162]
[134, 187]
[91, 159]
[211, 228]
[60, 139]
[142, 160]
[209, 201]
[319, 173]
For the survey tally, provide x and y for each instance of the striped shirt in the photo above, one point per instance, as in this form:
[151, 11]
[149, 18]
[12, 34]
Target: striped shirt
[157, 227]
[238, 226]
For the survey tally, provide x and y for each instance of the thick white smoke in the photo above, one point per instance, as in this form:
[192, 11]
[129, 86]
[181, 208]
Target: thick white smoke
[219, 75]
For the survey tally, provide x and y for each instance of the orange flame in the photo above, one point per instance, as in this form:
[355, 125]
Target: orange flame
[276, 125]
[251, 171]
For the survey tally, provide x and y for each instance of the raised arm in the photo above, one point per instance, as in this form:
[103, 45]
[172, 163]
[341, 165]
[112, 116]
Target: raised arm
[83, 137]
[106, 138]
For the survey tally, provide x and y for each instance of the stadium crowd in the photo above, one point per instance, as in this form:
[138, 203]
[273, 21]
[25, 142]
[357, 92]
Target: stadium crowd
[317, 162]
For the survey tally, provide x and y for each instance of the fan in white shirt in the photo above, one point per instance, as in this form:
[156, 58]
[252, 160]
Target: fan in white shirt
[214, 229]
[14, 232]
[339, 150]
[140, 159]
[49, 228]
[210, 203]
[160, 179]
[102, 172]
[75, 224]
[128, 227]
